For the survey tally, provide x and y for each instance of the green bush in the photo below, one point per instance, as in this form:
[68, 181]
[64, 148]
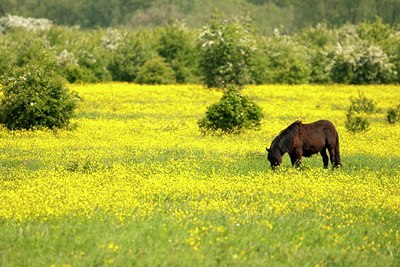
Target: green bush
[393, 115]
[93, 65]
[36, 97]
[82, 56]
[318, 41]
[376, 33]
[362, 104]
[176, 44]
[155, 71]
[233, 113]
[356, 123]
[356, 116]
[128, 57]
[287, 61]
[31, 50]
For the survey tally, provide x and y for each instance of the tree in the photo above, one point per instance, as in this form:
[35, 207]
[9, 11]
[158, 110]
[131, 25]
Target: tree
[227, 47]
[128, 57]
[176, 46]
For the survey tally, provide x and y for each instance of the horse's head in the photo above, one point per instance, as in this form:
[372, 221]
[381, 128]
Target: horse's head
[274, 158]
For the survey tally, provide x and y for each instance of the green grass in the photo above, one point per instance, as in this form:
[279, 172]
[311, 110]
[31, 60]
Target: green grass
[294, 240]
[202, 200]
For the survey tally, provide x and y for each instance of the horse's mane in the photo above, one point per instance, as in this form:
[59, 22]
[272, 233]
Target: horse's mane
[285, 138]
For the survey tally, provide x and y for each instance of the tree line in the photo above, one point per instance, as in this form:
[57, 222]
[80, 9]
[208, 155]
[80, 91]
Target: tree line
[291, 15]
[226, 50]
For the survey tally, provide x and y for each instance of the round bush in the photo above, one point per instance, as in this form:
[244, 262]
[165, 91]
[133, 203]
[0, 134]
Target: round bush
[362, 104]
[393, 115]
[356, 122]
[356, 116]
[156, 71]
[232, 113]
[35, 97]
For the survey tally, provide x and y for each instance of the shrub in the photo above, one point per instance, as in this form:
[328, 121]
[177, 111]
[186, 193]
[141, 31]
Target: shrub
[92, 65]
[35, 97]
[376, 32]
[362, 104]
[31, 50]
[356, 116]
[233, 113]
[85, 58]
[356, 123]
[10, 22]
[226, 51]
[393, 115]
[361, 63]
[155, 71]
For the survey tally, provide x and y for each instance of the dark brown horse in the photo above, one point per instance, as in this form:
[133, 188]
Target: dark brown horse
[303, 140]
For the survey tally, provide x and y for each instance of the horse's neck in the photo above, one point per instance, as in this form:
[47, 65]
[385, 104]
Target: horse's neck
[279, 151]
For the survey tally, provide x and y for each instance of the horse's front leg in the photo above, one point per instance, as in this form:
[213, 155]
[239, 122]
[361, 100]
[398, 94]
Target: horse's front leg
[295, 158]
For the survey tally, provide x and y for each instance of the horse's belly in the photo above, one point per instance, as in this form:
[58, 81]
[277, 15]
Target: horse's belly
[308, 153]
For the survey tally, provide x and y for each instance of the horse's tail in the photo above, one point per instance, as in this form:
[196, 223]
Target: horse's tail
[337, 152]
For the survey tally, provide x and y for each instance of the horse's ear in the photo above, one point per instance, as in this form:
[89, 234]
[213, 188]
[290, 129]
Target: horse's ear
[268, 150]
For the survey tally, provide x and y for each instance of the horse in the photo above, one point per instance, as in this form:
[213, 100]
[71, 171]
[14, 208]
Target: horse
[304, 140]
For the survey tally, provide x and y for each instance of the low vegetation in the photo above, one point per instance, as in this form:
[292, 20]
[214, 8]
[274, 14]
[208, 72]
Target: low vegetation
[36, 97]
[234, 112]
[137, 183]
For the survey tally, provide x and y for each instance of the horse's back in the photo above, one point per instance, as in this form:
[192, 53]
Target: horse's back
[320, 133]
[323, 125]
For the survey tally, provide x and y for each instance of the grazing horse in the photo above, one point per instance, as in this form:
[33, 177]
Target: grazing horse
[303, 140]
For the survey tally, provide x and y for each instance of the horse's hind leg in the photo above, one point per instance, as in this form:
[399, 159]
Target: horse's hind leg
[332, 155]
[325, 158]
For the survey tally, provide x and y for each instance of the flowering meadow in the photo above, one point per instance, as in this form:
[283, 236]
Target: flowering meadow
[134, 182]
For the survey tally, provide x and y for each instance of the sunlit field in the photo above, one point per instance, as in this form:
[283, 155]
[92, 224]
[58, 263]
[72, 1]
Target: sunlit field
[134, 182]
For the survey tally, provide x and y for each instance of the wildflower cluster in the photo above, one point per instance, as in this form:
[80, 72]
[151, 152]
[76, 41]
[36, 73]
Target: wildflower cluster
[137, 158]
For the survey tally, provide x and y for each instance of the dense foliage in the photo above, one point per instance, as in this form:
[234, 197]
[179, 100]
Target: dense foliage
[393, 115]
[36, 97]
[155, 71]
[233, 113]
[357, 113]
[225, 51]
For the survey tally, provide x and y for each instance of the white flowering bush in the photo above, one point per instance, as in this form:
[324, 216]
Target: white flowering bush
[10, 22]
[112, 39]
[361, 63]
[227, 47]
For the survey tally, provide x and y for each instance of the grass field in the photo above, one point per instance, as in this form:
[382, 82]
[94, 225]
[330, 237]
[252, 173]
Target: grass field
[135, 183]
